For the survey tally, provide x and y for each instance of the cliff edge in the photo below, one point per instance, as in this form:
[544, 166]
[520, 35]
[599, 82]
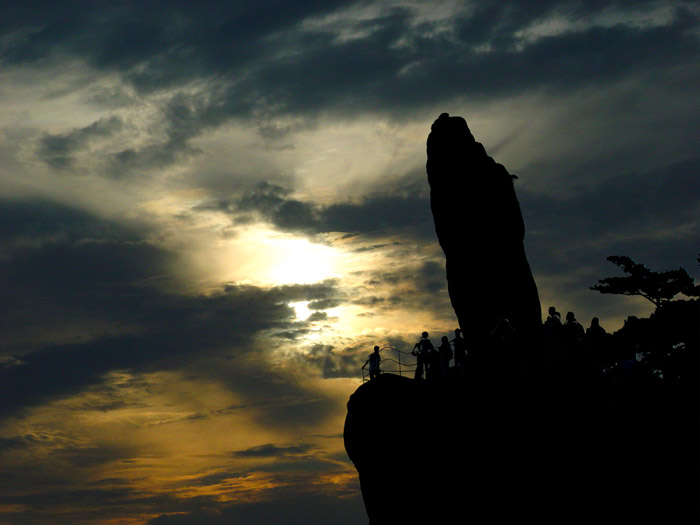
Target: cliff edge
[523, 449]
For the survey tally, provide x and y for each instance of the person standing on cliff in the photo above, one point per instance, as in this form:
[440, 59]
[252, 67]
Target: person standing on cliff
[422, 351]
[445, 354]
[374, 362]
[572, 331]
[460, 347]
[552, 325]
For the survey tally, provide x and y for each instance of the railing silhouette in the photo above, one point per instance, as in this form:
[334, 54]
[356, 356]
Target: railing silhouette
[400, 367]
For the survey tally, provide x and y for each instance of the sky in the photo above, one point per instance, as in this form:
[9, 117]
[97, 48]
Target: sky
[210, 212]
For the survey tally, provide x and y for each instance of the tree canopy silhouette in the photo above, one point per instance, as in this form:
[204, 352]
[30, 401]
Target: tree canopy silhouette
[657, 287]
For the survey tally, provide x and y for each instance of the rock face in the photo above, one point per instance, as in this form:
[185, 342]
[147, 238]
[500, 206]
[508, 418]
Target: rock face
[481, 230]
[522, 450]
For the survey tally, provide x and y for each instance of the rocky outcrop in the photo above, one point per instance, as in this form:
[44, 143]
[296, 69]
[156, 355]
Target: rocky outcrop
[529, 450]
[517, 439]
[481, 230]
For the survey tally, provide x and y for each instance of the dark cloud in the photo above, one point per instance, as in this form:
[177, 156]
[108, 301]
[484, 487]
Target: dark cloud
[270, 450]
[324, 304]
[58, 150]
[219, 477]
[332, 362]
[30, 223]
[432, 277]
[16, 442]
[263, 61]
[636, 212]
[83, 504]
[62, 268]
[318, 316]
[405, 209]
[313, 508]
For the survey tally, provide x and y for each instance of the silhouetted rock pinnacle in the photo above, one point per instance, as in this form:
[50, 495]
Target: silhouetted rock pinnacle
[481, 230]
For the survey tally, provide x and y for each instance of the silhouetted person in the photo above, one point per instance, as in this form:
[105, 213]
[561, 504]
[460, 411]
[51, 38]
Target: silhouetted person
[596, 339]
[432, 365]
[595, 331]
[553, 323]
[572, 332]
[374, 362]
[422, 351]
[552, 329]
[460, 347]
[445, 353]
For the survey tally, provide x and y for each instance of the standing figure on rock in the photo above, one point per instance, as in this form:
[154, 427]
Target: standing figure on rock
[460, 352]
[552, 325]
[481, 230]
[445, 353]
[374, 362]
[572, 333]
[422, 351]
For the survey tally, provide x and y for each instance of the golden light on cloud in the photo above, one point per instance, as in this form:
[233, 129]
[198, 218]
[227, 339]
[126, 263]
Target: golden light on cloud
[261, 256]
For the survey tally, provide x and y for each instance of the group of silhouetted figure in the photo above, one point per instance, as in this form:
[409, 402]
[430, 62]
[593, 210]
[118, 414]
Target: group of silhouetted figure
[434, 363]
[562, 339]
[571, 332]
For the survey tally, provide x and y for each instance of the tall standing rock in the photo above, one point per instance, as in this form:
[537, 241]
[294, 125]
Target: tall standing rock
[481, 230]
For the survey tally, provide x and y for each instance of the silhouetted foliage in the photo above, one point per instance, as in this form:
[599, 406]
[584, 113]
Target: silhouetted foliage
[656, 287]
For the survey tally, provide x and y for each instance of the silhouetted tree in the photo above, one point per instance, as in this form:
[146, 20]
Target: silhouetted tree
[657, 287]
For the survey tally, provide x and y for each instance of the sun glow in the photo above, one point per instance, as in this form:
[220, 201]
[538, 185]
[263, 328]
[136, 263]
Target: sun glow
[266, 258]
[297, 260]
[301, 309]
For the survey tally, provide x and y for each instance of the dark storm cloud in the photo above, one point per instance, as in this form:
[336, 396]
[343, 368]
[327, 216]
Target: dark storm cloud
[635, 212]
[333, 362]
[16, 442]
[262, 61]
[404, 209]
[312, 507]
[28, 222]
[318, 316]
[322, 291]
[271, 450]
[81, 505]
[66, 265]
[57, 150]
[62, 266]
[124, 35]
[432, 276]
[401, 66]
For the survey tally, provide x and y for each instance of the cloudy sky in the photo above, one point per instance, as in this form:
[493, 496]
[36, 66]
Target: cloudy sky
[211, 211]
